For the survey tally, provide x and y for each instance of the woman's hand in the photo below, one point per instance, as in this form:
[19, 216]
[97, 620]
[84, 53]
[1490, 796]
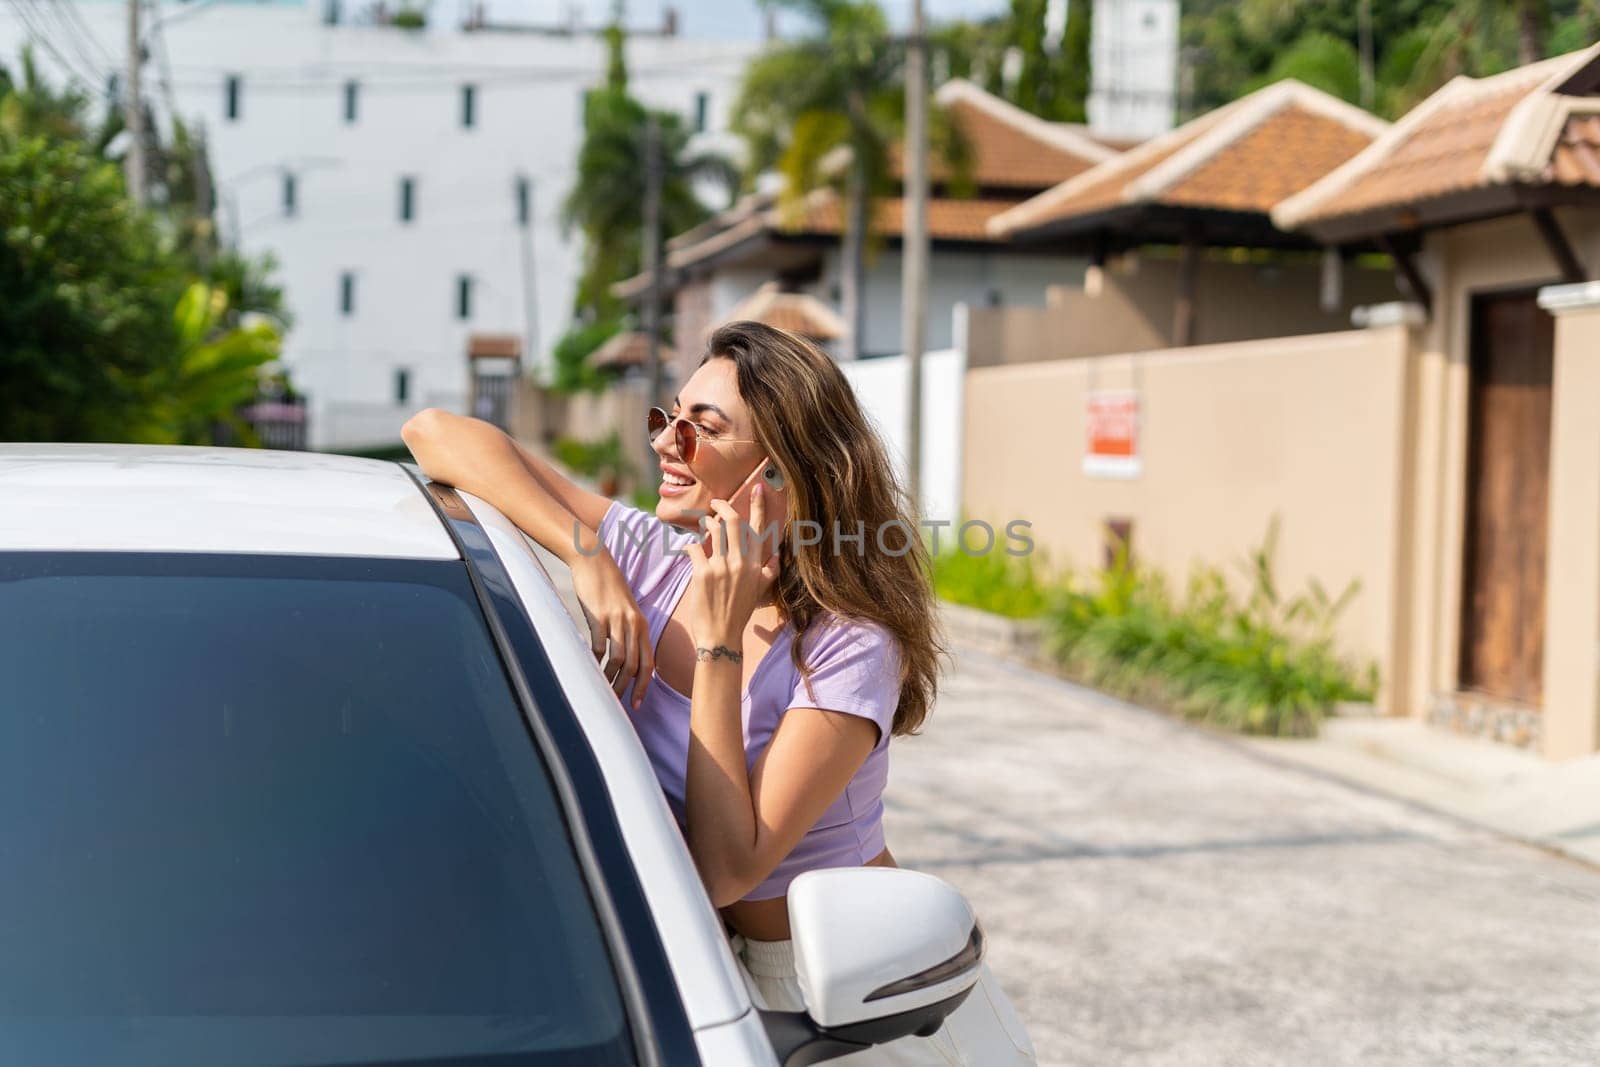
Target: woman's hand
[731, 576]
[616, 625]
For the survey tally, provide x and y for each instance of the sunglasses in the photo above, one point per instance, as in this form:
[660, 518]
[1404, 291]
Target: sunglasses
[685, 434]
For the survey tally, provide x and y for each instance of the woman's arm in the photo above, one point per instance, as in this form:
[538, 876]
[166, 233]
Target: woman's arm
[740, 825]
[482, 459]
[479, 458]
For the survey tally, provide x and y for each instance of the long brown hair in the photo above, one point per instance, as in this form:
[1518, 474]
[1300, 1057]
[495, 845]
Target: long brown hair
[837, 471]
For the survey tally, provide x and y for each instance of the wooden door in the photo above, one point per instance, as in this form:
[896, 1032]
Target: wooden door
[1508, 497]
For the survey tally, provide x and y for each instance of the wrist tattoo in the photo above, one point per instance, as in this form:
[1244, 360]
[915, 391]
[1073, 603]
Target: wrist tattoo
[705, 655]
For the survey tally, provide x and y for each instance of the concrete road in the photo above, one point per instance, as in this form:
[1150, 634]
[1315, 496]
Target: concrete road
[1155, 894]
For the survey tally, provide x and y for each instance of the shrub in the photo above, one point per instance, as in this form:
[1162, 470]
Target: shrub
[601, 460]
[1258, 664]
[1012, 586]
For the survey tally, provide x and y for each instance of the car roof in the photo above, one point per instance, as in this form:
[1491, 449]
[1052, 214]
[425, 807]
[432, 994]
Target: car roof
[189, 498]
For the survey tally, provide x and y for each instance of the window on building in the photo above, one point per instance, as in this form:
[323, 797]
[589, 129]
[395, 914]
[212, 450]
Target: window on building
[408, 199]
[463, 296]
[469, 99]
[231, 91]
[702, 108]
[352, 95]
[347, 293]
[402, 385]
[290, 194]
[524, 199]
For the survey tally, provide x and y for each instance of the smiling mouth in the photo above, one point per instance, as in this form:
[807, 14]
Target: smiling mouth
[675, 484]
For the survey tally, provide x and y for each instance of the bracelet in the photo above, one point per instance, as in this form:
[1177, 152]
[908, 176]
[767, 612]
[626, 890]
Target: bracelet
[706, 655]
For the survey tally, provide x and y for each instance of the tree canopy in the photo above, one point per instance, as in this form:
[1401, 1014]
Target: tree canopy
[1234, 46]
[117, 323]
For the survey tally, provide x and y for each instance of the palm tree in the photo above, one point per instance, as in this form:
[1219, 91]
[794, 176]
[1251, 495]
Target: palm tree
[1472, 38]
[606, 201]
[803, 100]
[824, 112]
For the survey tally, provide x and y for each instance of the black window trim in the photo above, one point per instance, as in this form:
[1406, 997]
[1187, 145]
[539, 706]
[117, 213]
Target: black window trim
[660, 1026]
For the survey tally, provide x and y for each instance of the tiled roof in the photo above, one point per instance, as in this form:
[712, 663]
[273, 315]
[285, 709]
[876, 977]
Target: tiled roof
[798, 313]
[1474, 133]
[629, 349]
[1576, 159]
[948, 220]
[1011, 148]
[1244, 157]
[1299, 147]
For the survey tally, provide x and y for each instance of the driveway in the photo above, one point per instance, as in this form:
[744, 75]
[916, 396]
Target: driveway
[1156, 894]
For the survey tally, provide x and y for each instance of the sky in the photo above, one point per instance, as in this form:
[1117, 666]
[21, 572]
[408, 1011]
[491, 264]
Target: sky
[716, 19]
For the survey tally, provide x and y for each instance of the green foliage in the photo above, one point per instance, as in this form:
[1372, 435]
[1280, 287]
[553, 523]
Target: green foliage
[31, 107]
[606, 202]
[85, 320]
[217, 369]
[1070, 101]
[1051, 79]
[839, 87]
[1234, 46]
[570, 357]
[1012, 586]
[90, 345]
[1322, 61]
[1260, 663]
[593, 459]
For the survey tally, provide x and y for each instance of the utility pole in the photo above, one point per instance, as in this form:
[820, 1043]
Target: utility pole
[1364, 37]
[133, 110]
[652, 263]
[914, 244]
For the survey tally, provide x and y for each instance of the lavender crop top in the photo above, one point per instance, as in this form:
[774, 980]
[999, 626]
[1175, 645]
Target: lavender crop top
[855, 669]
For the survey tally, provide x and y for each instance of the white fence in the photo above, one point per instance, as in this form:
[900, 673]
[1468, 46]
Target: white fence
[881, 386]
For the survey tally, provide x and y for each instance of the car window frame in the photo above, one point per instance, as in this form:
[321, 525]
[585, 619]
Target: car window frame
[657, 1016]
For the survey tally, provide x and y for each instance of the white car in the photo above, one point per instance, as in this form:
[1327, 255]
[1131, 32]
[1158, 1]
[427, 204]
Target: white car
[303, 761]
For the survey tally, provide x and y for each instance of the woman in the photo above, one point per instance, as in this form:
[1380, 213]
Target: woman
[765, 690]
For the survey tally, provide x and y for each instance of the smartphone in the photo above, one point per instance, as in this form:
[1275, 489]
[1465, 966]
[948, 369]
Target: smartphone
[774, 496]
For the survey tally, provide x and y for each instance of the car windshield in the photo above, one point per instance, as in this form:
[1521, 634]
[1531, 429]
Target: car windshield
[279, 810]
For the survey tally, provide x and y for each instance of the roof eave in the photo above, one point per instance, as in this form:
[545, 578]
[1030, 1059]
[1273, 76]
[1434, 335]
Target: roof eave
[1145, 223]
[1464, 206]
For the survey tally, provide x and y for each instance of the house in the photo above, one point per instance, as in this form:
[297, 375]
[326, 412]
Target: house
[711, 269]
[1165, 227]
[1488, 196]
[1440, 460]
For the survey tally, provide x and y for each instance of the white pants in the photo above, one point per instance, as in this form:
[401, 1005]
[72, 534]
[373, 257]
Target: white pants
[984, 1030]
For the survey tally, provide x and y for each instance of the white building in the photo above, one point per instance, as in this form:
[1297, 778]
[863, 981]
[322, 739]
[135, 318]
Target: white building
[1133, 49]
[389, 171]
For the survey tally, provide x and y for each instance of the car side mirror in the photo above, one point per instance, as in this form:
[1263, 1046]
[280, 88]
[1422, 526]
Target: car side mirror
[881, 953]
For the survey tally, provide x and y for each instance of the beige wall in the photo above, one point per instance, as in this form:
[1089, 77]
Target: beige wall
[1132, 312]
[1358, 439]
[1308, 428]
[1572, 609]
[1501, 254]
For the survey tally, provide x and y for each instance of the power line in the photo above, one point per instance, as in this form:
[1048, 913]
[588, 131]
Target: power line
[37, 35]
[75, 20]
[52, 22]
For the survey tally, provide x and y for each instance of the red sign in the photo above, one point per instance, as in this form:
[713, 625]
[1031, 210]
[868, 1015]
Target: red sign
[1111, 447]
